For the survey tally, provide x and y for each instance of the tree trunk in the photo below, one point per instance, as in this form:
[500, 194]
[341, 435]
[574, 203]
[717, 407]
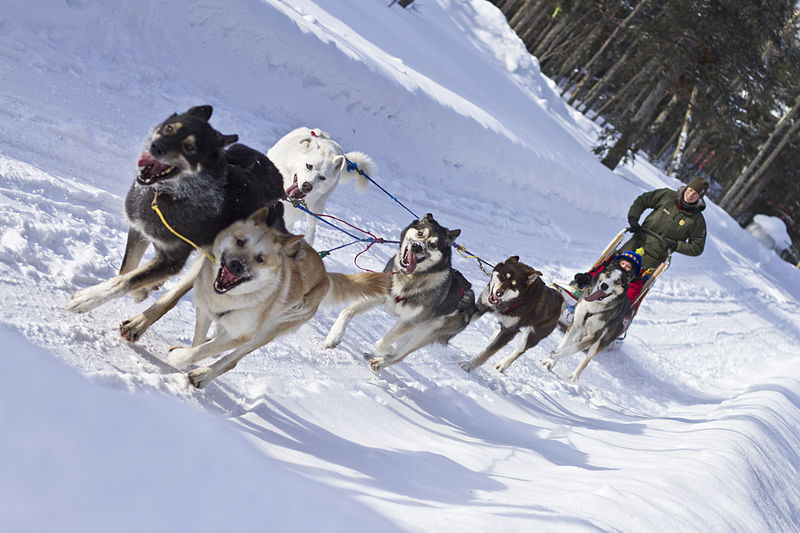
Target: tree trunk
[737, 203]
[675, 160]
[566, 38]
[623, 92]
[545, 42]
[608, 77]
[661, 151]
[534, 28]
[587, 67]
[521, 15]
[734, 192]
[641, 119]
[572, 63]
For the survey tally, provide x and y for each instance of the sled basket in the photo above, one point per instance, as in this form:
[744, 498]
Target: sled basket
[572, 295]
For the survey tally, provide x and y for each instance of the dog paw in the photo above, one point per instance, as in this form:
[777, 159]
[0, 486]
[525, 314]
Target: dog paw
[502, 366]
[376, 364]
[132, 329]
[574, 377]
[200, 377]
[332, 342]
[548, 363]
[87, 299]
[179, 357]
[84, 300]
[469, 366]
[384, 348]
[140, 295]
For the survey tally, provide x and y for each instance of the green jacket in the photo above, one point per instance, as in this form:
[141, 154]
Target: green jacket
[671, 219]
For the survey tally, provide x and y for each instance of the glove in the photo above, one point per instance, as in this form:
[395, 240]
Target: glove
[581, 280]
[670, 244]
[633, 225]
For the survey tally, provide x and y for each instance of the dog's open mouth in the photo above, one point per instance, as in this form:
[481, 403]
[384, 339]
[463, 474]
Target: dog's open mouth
[293, 191]
[410, 260]
[226, 280]
[596, 295]
[495, 301]
[151, 170]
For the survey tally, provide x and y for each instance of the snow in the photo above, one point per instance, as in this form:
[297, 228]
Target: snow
[771, 232]
[690, 425]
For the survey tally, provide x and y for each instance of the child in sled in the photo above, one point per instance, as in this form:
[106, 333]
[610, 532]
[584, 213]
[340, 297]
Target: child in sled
[630, 261]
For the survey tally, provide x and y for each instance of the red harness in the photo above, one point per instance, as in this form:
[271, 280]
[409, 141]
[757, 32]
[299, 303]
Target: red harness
[511, 308]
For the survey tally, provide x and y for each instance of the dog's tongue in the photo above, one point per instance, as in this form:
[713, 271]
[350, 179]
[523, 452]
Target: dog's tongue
[146, 159]
[411, 261]
[225, 278]
[155, 166]
[596, 295]
[293, 191]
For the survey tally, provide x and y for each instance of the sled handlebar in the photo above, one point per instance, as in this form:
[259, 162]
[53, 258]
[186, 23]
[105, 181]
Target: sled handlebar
[661, 239]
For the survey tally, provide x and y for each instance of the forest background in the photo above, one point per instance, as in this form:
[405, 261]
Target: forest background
[700, 87]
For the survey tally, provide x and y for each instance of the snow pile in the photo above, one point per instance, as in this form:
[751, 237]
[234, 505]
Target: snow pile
[771, 232]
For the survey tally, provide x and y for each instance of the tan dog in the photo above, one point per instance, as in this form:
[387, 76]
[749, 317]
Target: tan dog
[264, 283]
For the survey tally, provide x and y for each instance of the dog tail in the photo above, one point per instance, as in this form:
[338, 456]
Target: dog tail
[347, 287]
[365, 164]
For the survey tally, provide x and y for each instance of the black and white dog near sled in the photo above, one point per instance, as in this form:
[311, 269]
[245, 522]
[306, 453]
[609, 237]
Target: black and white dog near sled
[432, 300]
[312, 165]
[572, 294]
[192, 182]
[601, 315]
[522, 302]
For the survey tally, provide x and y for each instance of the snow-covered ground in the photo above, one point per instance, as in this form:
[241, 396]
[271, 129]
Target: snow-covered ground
[691, 425]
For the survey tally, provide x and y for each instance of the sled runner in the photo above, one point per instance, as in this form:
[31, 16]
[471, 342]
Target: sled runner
[572, 294]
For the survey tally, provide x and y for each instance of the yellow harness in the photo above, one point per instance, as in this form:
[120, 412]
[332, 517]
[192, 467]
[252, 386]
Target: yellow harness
[154, 206]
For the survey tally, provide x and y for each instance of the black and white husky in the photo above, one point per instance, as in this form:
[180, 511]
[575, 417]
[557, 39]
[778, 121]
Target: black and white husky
[600, 317]
[432, 300]
[201, 182]
[312, 165]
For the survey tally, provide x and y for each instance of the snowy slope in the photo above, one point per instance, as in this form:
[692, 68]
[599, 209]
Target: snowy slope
[690, 425]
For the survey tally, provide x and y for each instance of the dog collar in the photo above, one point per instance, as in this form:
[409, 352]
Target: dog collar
[511, 308]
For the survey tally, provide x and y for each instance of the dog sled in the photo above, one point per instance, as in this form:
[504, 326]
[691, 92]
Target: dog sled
[572, 294]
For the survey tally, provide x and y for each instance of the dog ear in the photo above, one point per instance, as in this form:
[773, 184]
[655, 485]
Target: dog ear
[428, 217]
[307, 142]
[261, 216]
[225, 140]
[513, 259]
[201, 111]
[269, 216]
[452, 234]
[275, 214]
[338, 163]
[292, 244]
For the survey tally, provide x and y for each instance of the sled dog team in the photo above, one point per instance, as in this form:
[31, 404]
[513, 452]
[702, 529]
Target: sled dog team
[197, 188]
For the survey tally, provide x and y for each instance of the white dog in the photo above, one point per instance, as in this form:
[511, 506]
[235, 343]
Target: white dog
[312, 164]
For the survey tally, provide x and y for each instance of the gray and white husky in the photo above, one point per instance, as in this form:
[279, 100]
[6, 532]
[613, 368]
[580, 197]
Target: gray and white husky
[600, 317]
[432, 300]
[201, 182]
[312, 165]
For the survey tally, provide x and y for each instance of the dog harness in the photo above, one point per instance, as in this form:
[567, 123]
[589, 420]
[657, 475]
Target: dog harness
[154, 206]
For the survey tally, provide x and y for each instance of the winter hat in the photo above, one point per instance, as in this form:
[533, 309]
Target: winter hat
[634, 258]
[699, 184]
